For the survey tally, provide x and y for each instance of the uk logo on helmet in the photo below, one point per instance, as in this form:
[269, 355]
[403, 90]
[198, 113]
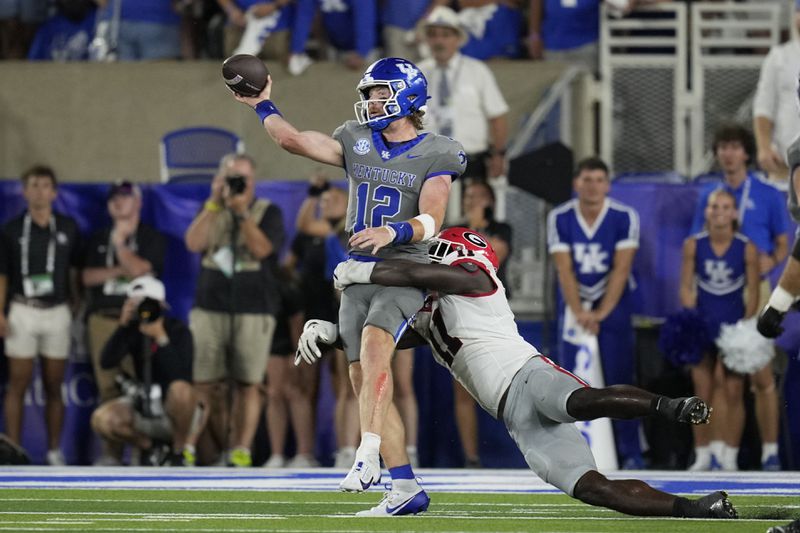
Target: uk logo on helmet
[362, 146]
[407, 69]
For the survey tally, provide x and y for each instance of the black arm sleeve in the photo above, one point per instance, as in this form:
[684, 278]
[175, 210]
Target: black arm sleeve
[464, 278]
[118, 346]
[174, 361]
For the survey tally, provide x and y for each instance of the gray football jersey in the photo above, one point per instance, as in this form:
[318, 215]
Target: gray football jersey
[794, 162]
[385, 182]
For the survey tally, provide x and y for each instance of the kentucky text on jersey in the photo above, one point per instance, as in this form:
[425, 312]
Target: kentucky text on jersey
[385, 175]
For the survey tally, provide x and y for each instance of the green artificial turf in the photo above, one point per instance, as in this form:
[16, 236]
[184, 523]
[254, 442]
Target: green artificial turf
[195, 510]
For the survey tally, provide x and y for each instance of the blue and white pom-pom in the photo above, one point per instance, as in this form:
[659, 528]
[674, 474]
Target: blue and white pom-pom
[684, 338]
[744, 350]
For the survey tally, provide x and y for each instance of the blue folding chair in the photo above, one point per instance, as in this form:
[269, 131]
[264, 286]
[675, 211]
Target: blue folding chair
[193, 154]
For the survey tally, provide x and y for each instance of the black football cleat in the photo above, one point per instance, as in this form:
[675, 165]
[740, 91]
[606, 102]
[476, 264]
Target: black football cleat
[717, 505]
[693, 410]
[794, 527]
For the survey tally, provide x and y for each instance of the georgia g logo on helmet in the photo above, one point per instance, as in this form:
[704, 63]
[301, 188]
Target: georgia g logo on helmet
[475, 239]
[456, 243]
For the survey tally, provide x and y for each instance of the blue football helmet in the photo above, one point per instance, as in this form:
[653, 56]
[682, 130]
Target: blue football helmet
[408, 91]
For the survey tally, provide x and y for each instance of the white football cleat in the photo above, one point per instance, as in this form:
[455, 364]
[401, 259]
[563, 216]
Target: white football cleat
[366, 471]
[397, 503]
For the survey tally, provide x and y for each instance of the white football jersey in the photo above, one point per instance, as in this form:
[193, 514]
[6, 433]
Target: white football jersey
[476, 338]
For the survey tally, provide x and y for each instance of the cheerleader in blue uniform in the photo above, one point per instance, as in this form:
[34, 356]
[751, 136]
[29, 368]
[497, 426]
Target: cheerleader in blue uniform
[719, 264]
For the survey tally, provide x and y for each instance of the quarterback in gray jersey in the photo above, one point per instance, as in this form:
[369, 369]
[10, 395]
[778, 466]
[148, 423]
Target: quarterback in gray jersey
[399, 181]
[787, 292]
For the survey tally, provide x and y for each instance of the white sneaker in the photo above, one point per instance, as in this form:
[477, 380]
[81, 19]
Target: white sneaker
[702, 463]
[56, 458]
[397, 503]
[345, 457]
[366, 471]
[298, 63]
[275, 460]
[303, 461]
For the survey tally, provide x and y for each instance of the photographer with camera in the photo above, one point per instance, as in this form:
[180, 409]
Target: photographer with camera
[233, 318]
[159, 403]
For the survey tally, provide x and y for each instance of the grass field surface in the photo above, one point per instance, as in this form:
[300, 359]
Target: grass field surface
[242, 511]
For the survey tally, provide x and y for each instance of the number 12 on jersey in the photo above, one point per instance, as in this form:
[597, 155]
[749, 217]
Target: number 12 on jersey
[375, 205]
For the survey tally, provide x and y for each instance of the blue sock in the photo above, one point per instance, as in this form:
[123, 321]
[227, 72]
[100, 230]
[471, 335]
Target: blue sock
[401, 472]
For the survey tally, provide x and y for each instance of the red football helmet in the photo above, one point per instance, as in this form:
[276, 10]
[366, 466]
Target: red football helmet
[457, 243]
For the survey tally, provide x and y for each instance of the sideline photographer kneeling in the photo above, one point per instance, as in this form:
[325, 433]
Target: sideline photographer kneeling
[159, 406]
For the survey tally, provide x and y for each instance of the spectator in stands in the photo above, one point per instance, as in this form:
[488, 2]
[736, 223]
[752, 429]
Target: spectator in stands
[776, 122]
[762, 220]
[465, 102]
[257, 27]
[290, 388]
[399, 19]
[147, 29]
[495, 28]
[592, 240]
[158, 404]
[233, 318]
[351, 29]
[569, 31]
[115, 255]
[320, 246]
[197, 36]
[39, 274]
[478, 207]
[719, 266]
[66, 35]
[19, 20]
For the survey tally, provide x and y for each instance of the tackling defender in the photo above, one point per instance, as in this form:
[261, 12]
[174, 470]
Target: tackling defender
[399, 181]
[471, 330]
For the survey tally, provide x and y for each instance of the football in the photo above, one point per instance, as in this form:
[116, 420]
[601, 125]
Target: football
[245, 74]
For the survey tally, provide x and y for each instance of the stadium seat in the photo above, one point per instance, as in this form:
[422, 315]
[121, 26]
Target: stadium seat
[193, 154]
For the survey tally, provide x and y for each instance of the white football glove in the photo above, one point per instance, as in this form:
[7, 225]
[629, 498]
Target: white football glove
[313, 332]
[352, 271]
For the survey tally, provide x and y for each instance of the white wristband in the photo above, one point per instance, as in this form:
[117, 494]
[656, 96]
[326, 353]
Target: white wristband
[780, 299]
[428, 224]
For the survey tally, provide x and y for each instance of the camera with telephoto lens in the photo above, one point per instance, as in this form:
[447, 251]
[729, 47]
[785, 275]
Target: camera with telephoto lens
[149, 311]
[132, 389]
[236, 183]
[147, 405]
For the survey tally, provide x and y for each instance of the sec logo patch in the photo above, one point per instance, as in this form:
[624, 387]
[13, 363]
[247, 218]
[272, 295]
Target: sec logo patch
[361, 147]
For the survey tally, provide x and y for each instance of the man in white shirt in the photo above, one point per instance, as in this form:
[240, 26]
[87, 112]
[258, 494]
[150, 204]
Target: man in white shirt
[465, 102]
[776, 122]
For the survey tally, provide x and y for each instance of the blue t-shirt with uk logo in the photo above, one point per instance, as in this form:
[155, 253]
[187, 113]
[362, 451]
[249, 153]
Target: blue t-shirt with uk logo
[592, 248]
[761, 208]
